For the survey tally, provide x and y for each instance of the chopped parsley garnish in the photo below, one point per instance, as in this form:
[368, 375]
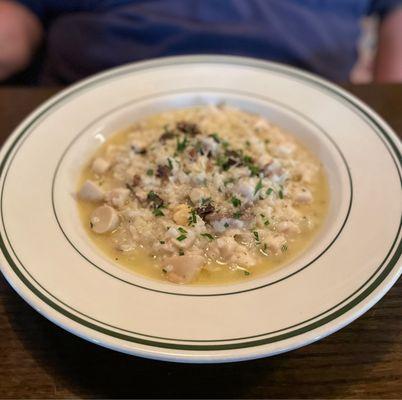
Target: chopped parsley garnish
[223, 162]
[266, 222]
[181, 145]
[227, 181]
[226, 225]
[181, 238]
[249, 163]
[256, 236]
[181, 230]
[235, 201]
[161, 241]
[258, 187]
[150, 172]
[207, 235]
[237, 214]
[284, 248]
[269, 191]
[192, 219]
[170, 164]
[246, 272]
[158, 212]
[280, 193]
[181, 252]
[247, 160]
[216, 137]
[157, 203]
[254, 169]
[153, 197]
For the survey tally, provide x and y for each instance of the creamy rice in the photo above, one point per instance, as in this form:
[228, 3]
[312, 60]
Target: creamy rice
[206, 194]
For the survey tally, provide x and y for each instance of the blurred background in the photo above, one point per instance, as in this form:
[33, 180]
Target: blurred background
[55, 42]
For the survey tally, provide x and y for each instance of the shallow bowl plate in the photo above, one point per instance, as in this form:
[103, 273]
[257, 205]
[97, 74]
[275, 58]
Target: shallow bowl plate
[49, 260]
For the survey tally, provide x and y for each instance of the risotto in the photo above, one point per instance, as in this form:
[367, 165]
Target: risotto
[206, 194]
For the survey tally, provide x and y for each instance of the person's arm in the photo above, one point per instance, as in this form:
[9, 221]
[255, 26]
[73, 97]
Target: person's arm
[20, 34]
[388, 62]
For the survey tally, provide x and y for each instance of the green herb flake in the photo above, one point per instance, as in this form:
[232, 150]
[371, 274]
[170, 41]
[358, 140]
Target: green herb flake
[284, 248]
[150, 172]
[207, 235]
[181, 145]
[249, 163]
[280, 193]
[181, 252]
[269, 191]
[205, 201]
[216, 137]
[237, 214]
[258, 187]
[158, 212]
[227, 181]
[91, 225]
[222, 162]
[164, 270]
[170, 164]
[192, 219]
[266, 223]
[161, 241]
[235, 201]
[247, 273]
[248, 144]
[226, 225]
[256, 236]
[181, 238]
[182, 230]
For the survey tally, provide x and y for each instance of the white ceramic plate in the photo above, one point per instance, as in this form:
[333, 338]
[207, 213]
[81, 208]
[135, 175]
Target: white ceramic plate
[49, 260]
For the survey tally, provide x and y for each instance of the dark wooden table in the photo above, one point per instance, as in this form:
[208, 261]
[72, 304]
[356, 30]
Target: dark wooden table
[40, 360]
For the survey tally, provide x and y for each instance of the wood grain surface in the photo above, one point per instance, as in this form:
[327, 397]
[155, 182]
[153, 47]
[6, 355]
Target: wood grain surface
[40, 360]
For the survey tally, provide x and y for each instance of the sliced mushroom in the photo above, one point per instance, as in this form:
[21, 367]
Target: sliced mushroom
[118, 197]
[303, 196]
[104, 219]
[100, 165]
[183, 269]
[90, 191]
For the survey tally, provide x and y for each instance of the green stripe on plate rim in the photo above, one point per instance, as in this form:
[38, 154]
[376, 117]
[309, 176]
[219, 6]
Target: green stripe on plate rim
[304, 77]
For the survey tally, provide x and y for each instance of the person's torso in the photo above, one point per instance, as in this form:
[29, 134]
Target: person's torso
[317, 35]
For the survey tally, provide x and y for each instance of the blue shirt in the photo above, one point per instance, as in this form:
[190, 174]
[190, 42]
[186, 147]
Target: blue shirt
[87, 36]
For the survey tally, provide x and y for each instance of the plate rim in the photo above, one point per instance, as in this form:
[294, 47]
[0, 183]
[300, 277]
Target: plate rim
[372, 116]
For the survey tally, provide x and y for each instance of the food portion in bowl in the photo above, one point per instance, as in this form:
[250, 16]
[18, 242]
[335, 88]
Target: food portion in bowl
[206, 194]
